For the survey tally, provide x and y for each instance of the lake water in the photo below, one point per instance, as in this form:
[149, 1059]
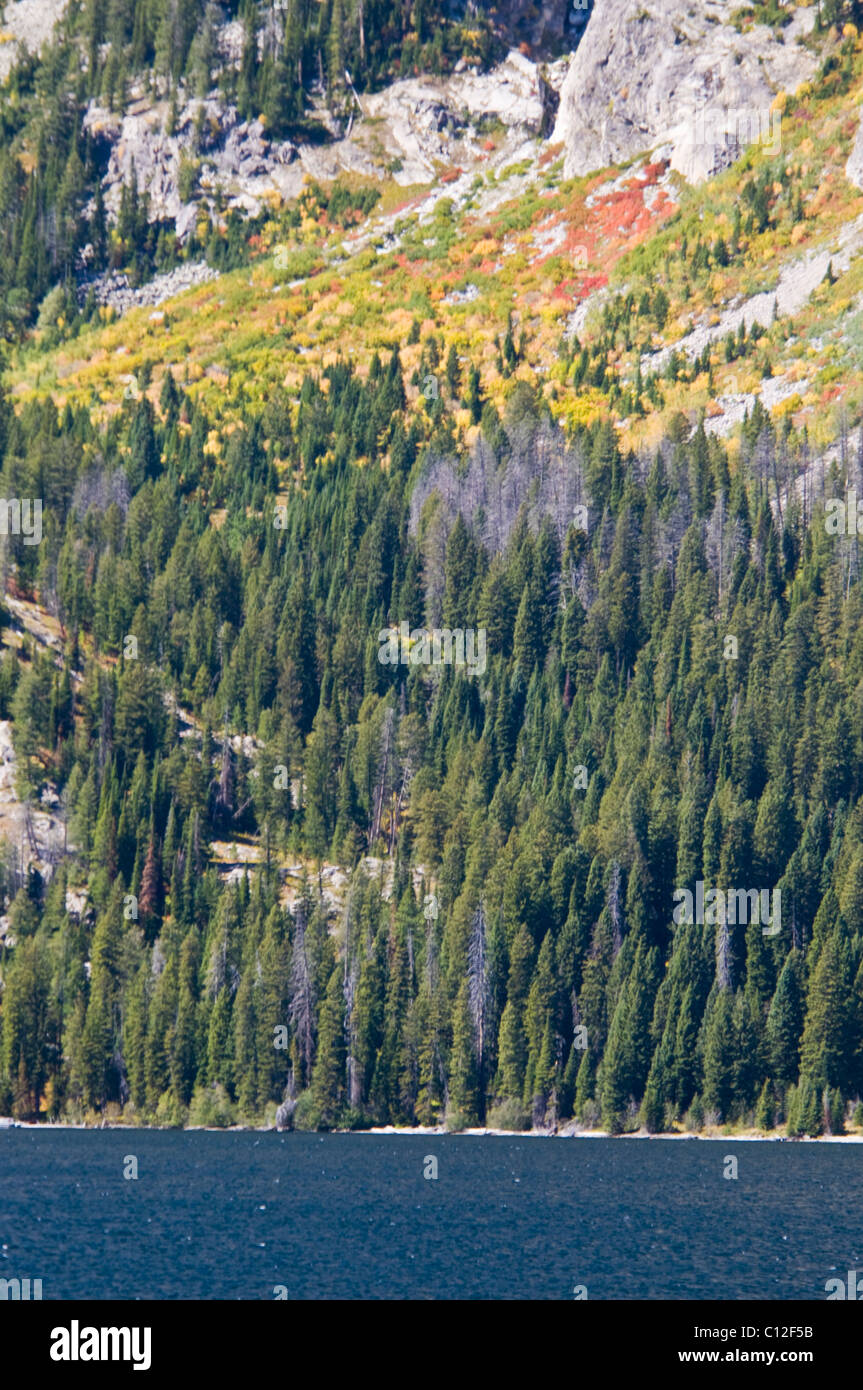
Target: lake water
[232, 1215]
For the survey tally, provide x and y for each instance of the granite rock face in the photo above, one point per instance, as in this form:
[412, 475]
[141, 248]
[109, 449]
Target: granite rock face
[223, 153]
[424, 121]
[408, 130]
[676, 75]
[676, 78]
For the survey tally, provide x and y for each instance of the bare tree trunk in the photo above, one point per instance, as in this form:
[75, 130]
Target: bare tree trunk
[406, 777]
[301, 998]
[723, 956]
[614, 907]
[381, 787]
[478, 982]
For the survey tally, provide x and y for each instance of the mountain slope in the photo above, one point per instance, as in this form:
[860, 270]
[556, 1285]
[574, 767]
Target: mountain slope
[557, 414]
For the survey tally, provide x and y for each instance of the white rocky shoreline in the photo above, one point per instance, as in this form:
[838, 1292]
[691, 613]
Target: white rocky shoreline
[568, 1131]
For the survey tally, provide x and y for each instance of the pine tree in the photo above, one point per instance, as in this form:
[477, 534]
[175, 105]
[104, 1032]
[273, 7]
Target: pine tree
[328, 1079]
[462, 1068]
[184, 1041]
[785, 1021]
[719, 1055]
[827, 1031]
[512, 1042]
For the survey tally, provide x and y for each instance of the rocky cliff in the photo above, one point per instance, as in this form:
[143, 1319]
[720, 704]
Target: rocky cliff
[679, 75]
[692, 79]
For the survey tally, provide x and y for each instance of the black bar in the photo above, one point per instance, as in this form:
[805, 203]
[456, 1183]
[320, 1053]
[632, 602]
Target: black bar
[441, 1337]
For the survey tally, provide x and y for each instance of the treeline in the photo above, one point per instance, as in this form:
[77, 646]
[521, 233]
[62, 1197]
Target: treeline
[516, 960]
[285, 52]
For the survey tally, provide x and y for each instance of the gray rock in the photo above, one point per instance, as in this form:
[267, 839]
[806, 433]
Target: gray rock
[854, 167]
[681, 75]
[27, 25]
[233, 157]
[421, 121]
[465, 296]
[797, 281]
[114, 289]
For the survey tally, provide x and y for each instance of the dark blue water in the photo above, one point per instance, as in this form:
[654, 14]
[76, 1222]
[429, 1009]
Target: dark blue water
[232, 1215]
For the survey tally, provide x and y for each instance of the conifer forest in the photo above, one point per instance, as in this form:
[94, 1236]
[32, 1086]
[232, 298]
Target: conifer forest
[431, 645]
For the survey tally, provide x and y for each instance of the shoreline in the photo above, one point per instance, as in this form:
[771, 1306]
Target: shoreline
[567, 1131]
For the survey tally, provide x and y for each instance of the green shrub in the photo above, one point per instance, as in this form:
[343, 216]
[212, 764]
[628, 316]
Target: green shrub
[508, 1114]
[456, 1120]
[211, 1107]
[765, 1110]
[694, 1118]
[307, 1115]
[187, 177]
[170, 1113]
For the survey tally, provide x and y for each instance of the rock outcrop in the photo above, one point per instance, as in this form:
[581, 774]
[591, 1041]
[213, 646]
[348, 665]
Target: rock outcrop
[795, 285]
[113, 288]
[25, 26]
[222, 153]
[409, 130]
[679, 76]
[424, 122]
[854, 167]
